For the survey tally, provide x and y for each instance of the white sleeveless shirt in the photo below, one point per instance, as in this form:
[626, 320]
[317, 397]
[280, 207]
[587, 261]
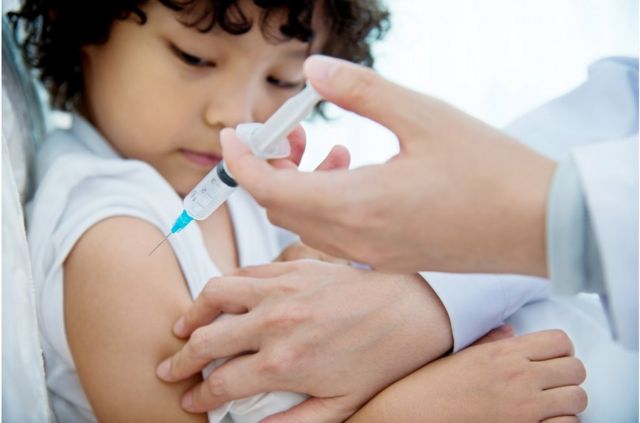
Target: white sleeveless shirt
[82, 180]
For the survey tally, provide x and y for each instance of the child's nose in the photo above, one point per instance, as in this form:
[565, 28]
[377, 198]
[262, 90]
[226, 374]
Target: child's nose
[229, 106]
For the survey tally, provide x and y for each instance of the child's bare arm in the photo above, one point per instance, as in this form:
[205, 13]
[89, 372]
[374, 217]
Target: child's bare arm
[530, 378]
[119, 307]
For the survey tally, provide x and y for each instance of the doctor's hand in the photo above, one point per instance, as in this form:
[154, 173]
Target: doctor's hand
[460, 196]
[331, 331]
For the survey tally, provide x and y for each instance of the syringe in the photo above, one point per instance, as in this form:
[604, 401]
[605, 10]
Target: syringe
[268, 140]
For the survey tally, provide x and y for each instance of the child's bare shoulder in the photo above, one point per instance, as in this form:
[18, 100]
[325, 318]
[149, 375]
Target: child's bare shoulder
[119, 246]
[119, 306]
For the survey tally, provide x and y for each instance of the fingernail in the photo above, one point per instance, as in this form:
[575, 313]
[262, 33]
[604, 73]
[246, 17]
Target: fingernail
[164, 370]
[187, 401]
[178, 328]
[320, 68]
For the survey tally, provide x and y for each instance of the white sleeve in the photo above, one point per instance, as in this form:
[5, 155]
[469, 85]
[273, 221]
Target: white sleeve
[477, 303]
[592, 226]
[592, 230]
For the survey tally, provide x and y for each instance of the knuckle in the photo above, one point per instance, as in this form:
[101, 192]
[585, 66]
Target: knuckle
[281, 361]
[360, 84]
[271, 364]
[286, 317]
[198, 344]
[261, 289]
[176, 367]
[211, 291]
[216, 386]
[275, 291]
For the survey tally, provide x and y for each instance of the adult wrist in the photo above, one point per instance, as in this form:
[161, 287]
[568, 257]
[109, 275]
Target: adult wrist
[527, 179]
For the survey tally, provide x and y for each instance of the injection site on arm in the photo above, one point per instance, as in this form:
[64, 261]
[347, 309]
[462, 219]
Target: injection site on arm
[268, 141]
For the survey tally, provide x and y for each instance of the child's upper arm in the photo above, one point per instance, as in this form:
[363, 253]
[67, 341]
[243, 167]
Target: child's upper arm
[119, 308]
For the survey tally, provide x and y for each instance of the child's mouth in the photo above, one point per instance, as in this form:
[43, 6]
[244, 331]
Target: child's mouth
[201, 159]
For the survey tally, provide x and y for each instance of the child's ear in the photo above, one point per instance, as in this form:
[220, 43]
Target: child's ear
[320, 26]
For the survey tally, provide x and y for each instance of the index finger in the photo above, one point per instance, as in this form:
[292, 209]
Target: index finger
[220, 295]
[288, 189]
[227, 338]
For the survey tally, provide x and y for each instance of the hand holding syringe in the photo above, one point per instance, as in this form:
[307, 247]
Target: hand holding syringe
[268, 140]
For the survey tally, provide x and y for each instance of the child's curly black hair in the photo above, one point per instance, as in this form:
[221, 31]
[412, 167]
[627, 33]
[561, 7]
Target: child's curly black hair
[52, 32]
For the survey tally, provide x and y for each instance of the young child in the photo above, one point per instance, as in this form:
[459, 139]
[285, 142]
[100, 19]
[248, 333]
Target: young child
[151, 83]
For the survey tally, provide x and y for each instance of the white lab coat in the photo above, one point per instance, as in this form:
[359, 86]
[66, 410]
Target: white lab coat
[593, 133]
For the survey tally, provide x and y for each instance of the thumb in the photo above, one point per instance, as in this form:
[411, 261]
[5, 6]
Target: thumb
[361, 90]
[338, 158]
[253, 173]
[313, 410]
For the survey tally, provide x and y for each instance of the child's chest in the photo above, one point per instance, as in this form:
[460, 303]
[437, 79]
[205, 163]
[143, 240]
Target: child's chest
[219, 239]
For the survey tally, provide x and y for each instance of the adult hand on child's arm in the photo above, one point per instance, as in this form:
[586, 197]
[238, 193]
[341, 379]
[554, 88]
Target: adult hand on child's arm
[337, 333]
[530, 378]
[452, 171]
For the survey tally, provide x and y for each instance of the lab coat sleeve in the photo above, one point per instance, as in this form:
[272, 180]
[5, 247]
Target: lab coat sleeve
[592, 230]
[477, 303]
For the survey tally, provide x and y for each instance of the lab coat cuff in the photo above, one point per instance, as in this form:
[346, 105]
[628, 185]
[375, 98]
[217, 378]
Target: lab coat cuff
[572, 256]
[475, 304]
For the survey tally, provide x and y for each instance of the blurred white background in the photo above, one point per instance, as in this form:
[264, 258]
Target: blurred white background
[494, 59]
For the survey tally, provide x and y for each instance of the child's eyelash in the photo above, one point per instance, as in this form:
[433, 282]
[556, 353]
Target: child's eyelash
[190, 59]
[196, 61]
[283, 84]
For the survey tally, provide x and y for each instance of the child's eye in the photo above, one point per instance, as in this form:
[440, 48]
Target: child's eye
[287, 85]
[190, 59]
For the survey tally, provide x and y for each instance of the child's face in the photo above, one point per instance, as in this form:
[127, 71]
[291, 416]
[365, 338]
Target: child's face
[161, 92]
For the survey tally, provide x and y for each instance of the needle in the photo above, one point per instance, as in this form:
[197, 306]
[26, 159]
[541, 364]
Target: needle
[161, 242]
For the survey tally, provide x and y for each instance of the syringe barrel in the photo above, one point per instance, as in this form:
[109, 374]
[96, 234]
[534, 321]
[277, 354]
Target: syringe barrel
[264, 140]
[210, 193]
